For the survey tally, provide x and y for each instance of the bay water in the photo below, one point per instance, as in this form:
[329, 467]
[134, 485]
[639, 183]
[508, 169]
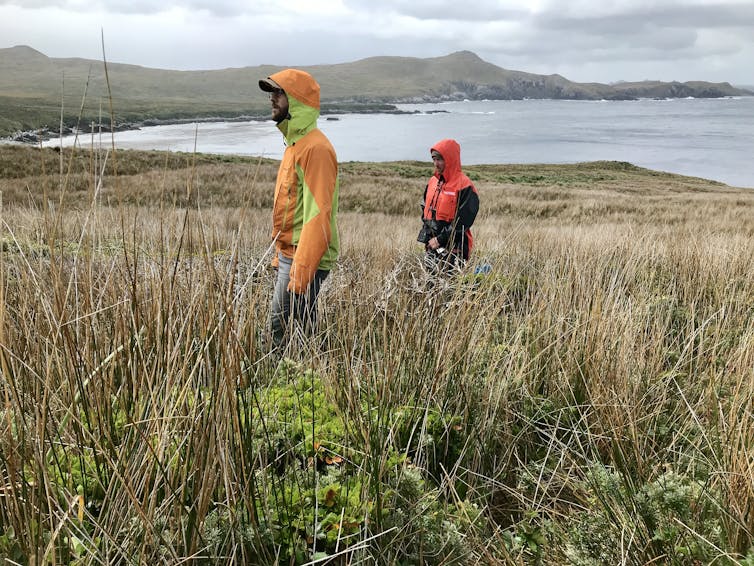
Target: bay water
[709, 138]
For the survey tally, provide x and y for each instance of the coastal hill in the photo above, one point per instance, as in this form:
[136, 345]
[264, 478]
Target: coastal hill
[34, 88]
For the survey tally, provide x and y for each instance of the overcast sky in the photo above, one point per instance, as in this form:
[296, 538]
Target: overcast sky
[583, 40]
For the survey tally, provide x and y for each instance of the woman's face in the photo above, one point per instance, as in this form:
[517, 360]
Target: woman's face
[439, 162]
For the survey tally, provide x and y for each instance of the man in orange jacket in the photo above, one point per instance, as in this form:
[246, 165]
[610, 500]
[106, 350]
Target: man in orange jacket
[305, 209]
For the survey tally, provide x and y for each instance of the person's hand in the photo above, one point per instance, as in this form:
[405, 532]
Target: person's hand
[433, 243]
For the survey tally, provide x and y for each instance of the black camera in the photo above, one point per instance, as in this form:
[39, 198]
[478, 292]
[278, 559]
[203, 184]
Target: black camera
[425, 235]
[429, 230]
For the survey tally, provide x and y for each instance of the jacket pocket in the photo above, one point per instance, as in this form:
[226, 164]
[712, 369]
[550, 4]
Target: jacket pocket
[446, 206]
[285, 201]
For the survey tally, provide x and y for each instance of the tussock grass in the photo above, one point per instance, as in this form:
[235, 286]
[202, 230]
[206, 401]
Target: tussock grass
[588, 401]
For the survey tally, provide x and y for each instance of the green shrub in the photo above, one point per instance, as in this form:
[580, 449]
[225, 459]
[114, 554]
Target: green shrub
[673, 518]
[316, 492]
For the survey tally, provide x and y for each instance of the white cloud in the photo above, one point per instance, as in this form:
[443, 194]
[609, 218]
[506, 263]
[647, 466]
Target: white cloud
[441, 10]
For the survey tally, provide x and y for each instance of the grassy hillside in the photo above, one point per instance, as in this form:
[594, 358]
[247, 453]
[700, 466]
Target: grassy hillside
[586, 401]
[540, 191]
[34, 87]
[27, 72]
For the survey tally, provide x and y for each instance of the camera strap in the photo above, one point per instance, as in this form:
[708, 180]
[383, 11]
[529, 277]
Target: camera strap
[435, 198]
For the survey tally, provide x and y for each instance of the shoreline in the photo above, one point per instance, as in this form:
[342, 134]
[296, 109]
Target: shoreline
[40, 135]
[35, 136]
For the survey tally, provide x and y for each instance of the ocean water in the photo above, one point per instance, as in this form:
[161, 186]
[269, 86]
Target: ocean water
[709, 138]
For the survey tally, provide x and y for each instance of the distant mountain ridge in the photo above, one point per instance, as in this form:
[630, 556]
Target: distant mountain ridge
[33, 87]
[463, 75]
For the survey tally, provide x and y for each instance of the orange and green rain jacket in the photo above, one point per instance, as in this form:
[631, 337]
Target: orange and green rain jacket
[305, 209]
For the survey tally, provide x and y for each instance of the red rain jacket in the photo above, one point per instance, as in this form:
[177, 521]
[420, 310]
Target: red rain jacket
[451, 199]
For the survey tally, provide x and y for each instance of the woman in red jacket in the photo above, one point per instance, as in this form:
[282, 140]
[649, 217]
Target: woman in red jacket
[451, 203]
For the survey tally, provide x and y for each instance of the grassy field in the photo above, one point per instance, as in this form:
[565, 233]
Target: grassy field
[588, 401]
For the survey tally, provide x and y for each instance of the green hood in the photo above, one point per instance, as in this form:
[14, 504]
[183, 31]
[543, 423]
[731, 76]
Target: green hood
[301, 120]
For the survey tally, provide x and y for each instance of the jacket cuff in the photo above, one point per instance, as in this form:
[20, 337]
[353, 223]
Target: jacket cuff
[299, 281]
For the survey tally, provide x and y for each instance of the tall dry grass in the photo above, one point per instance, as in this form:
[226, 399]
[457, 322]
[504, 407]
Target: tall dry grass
[587, 401]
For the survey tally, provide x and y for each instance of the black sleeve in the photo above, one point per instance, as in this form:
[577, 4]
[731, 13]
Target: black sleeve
[424, 200]
[443, 236]
[467, 209]
[468, 206]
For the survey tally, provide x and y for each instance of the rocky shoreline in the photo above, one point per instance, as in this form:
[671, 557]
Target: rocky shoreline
[45, 133]
[32, 137]
[350, 106]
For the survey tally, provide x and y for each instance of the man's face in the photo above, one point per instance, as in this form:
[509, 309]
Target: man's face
[279, 101]
[439, 162]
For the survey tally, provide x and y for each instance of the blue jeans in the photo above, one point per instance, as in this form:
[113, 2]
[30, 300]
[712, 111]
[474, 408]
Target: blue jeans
[287, 308]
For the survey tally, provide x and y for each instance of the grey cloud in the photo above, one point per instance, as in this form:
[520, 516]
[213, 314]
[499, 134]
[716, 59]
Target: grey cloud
[661, 16]
[707, 16]
[618, 31]
[648, 33]
[583, 52]
[581, 58]
[668, 13]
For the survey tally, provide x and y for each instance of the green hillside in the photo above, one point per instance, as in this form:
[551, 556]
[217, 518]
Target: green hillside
[34, 88]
